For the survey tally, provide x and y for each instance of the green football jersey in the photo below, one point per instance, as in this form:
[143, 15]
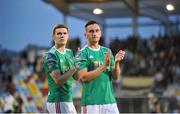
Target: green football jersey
[52, 60]
[98, 90]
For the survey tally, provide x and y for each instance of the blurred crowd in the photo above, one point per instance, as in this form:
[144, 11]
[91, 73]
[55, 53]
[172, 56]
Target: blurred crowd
[156, 56]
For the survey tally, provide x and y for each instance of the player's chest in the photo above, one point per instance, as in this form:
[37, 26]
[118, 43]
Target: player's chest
[63, 63]
[95, 59]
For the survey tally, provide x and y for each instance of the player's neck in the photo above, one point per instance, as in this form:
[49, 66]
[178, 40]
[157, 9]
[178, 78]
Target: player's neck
[93, 46]
[61, 48]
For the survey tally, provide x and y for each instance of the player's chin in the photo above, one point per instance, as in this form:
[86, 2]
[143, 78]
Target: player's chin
[95, 41]
[62, 43]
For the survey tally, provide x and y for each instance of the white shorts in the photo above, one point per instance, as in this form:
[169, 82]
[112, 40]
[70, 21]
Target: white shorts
[61, 107]
[100, 109]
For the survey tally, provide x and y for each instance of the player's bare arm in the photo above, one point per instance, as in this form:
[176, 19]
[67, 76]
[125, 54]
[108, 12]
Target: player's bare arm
[61, 79]
[116, 70]
[86, 76]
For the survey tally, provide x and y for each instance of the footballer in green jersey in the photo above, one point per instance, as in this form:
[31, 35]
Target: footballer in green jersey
[100, 86]
[97, 67]
[58, 64]
[56, 60]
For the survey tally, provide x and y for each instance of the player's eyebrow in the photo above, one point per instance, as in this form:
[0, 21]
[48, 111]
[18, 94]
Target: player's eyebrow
[92, 30]
[60, 33]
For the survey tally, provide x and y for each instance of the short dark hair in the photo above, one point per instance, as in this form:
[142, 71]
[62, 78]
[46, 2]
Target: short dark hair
[59, 26]
[91, 22]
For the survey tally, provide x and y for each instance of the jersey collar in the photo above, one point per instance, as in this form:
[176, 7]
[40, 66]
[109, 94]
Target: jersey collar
[94, 49]
[60, 51]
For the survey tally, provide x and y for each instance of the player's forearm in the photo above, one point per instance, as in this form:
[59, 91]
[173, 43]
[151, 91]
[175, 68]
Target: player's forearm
[88, 76]
[61, 79]
[116, 71]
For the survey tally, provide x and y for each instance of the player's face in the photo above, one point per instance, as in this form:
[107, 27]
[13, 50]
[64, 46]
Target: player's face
[61, 36]
[93, 33]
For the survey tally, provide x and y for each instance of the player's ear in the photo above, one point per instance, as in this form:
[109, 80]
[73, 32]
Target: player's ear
[85, 35]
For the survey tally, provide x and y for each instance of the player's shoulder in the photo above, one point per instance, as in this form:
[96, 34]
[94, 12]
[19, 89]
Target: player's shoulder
[104, 48]
[50, 53]
[51, 50]
[81, 52]
[69, 50]
[83, 49]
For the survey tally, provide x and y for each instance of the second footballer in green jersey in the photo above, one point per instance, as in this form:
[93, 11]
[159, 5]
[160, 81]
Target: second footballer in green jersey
[100, 86]
[58, 64]
[96, 69]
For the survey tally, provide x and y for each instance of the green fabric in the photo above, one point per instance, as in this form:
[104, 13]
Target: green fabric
[52, 60]
[98, 90]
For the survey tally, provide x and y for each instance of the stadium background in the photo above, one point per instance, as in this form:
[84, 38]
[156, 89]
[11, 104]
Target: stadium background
[143, 28]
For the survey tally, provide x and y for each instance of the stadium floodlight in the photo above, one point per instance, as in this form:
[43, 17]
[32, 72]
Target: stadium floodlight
[170, 7]
[97, 11]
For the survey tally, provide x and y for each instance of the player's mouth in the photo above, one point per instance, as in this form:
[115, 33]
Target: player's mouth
[94, 37]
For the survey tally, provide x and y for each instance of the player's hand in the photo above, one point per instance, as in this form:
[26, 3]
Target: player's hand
[119, 56]
[78, 49]
[107, 57]
[73, 69]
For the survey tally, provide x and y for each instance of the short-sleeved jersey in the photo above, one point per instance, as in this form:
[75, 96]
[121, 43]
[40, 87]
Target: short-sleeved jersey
[98, 90]
[53, 60]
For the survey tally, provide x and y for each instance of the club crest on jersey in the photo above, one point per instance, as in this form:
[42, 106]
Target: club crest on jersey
[65, 69]
[69, 56]
[77, 64]
[79, 55]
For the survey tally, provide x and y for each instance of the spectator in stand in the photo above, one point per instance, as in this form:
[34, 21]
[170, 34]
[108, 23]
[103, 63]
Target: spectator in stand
[9, 103]
[153, 104]
[173, 103]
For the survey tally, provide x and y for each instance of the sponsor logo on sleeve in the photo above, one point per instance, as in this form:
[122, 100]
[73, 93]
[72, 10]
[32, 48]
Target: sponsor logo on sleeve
[49, 57]
[79, 55]
[51, 64]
